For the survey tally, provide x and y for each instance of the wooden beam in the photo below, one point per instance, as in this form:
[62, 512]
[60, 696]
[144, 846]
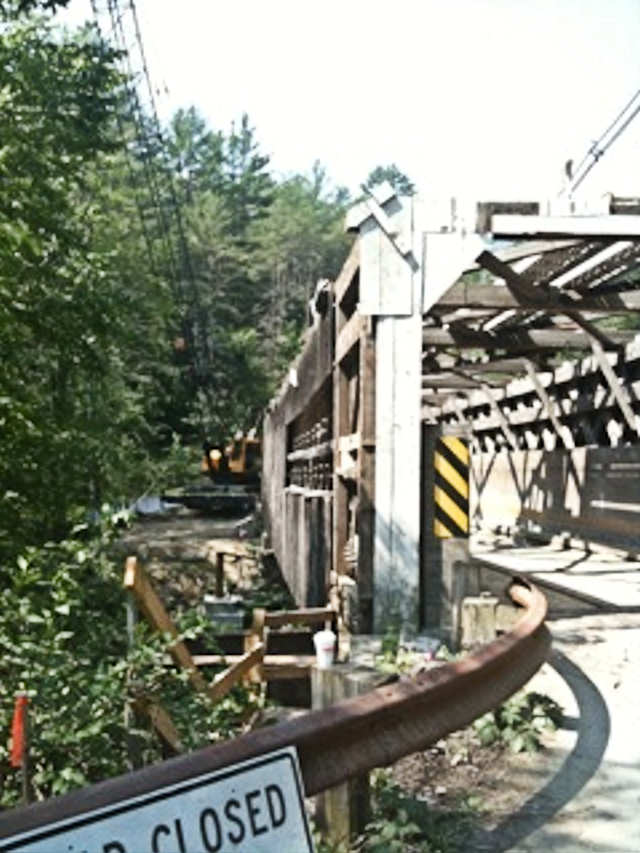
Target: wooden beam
[273, 666]
[349, 336]
[365, 519]
[306, 616]
[347, 273]
[563, 433]
[502, 418]
[615, 385]
[610, 258]
[524, 290]
[466, 295]
[224, 681]
[387, 225]
[517, 283]
[569, 226]
[524, 340]
[137, 582]
[160, 720]
[449, 380]
[500, 365]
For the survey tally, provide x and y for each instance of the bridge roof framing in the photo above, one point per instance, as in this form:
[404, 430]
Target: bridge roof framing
[519, 310]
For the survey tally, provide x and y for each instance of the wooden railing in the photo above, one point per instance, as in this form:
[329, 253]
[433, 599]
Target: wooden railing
[251, 666]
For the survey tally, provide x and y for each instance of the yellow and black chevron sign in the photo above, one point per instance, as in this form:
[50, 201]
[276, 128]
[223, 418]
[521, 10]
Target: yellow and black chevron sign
[451, 492]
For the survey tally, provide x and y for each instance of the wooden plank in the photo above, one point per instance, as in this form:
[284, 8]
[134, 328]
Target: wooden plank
[347, 273]
[528, 248]
[340, 494]
[621, 397]
[491, 296]
[306, 616]
[516, 282]
[619, 254]
[386, 277]
[502, 418]
[349, 336]
[520, 340]
[498, 365]
[563, 433]
[449, 380]
[570, 226]
[273, 666]
[224, 681]
[366, 478]
[485, 210]
[388, 226]
[136, 580]
[160, 720]
[523, 289]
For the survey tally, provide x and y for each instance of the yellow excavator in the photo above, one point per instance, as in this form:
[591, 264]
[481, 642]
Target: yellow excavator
[234, 474]
[238, 463]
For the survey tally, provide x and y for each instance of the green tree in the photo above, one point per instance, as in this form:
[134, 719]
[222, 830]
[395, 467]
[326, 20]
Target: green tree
[196, 154]
[299, 241]
[78, 305]
[248, 186]
[402, 184]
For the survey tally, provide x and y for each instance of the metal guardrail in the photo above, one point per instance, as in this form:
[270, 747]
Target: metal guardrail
[352, 737]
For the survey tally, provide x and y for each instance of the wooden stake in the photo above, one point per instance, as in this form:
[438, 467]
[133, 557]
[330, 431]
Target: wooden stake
[220, 574]
[138, 583]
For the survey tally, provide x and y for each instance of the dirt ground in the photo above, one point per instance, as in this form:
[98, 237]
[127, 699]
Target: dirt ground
[179, 551]
[582, 791]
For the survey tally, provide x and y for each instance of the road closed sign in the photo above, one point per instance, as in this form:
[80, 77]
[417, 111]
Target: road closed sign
[253, 807]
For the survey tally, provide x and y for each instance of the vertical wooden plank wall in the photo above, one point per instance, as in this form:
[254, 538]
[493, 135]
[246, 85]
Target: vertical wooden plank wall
[292, 509]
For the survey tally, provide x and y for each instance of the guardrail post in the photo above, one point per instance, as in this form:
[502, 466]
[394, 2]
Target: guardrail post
[342, 811]
[478, 620]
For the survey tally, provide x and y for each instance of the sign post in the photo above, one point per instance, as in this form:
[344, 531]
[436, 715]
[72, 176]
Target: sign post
[255, 806]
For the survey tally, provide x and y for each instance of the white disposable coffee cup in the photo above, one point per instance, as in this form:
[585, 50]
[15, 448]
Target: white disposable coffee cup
[325, 643]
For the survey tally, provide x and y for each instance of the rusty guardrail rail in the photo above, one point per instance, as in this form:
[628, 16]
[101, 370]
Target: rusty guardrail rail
[350, 738]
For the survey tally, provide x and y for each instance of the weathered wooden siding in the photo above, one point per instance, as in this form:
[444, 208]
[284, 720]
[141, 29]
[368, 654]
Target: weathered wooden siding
[297, 514]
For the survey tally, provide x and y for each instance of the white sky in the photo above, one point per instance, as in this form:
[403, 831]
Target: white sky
[482, 98]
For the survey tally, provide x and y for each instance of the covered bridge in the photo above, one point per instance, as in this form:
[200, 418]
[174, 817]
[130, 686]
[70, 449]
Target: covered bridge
[471, 366]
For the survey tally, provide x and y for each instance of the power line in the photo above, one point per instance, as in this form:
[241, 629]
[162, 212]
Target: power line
[159, 198]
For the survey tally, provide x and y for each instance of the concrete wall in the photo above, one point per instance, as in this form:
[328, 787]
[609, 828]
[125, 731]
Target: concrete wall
[592, 493]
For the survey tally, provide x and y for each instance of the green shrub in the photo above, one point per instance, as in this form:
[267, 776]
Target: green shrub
[519, 722]
[63, 640]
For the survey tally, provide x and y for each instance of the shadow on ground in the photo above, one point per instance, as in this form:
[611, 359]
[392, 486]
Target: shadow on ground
[593, 727]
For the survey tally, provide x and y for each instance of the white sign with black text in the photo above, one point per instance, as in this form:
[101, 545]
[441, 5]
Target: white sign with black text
[256, 806]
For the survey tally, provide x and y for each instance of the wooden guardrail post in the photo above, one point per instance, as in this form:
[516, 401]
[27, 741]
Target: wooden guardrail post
[343, 811]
